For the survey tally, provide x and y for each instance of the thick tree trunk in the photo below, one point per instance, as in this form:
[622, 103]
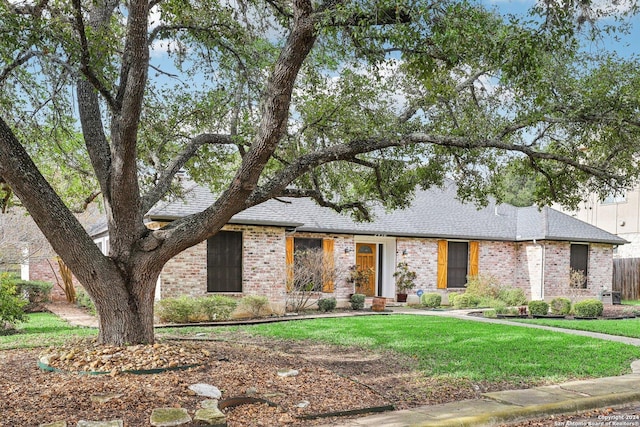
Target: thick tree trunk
[126, 309]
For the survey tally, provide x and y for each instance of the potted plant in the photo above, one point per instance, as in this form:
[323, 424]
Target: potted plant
[405, 281]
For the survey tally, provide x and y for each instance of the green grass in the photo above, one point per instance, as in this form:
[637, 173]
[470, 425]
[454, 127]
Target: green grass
[442, 347]
[43, 330]
[446, 347]
[631, 302]
[624, 327]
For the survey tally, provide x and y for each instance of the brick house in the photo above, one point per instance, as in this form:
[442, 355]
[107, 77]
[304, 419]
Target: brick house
[440, 238]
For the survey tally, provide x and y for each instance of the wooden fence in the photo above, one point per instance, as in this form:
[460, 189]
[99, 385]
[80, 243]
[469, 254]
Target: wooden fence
[626, 277]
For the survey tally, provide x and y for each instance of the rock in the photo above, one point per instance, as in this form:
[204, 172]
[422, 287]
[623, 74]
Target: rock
[287, 373]
[168, 417]
[209, 404]
[213, 417]
[206, 390]
[105, 397]
[251, 391]
[55, 424]
[113, 423]
[303, 404]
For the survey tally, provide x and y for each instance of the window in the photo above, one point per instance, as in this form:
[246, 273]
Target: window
[456, 261]
[457, 265]
[310, 263]
[579, 263]
[224, 262]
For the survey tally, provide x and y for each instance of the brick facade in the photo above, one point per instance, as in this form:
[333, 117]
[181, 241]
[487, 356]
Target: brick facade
[513, 264]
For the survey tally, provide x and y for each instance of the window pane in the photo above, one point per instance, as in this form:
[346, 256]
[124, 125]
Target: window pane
[458, 260]
[580, 262]
[224, 262]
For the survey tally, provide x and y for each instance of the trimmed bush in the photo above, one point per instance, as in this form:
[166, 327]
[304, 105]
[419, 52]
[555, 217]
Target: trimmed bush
[254, 304]
[327, 304]
[11, 305]
[512, 296]
[466, 301]
[588, 308]
[452, 298]
[482, 285]
[35, 292]
[186, 309]
[560, 306]
[431, 300]
[216, 307]
[538, 308]
[357, 301]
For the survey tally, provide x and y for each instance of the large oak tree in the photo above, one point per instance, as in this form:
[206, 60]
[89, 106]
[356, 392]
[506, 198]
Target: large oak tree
[346, 102]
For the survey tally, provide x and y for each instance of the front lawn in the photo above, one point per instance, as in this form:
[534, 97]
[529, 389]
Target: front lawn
[446, 347]
[43, 330]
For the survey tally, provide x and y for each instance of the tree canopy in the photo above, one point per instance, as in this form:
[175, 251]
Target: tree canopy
[346, 102]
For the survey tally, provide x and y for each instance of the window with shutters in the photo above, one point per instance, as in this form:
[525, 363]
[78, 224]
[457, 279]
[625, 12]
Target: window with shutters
[310, 265]
[224, 262]
[579, 262]
[456, 261]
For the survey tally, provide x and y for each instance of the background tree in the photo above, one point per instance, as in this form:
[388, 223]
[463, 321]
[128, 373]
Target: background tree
[344, 102]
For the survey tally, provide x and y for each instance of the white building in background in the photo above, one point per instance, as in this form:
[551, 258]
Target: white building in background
[619, 215]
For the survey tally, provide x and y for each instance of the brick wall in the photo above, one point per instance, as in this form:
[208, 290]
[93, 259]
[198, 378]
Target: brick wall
[512, 264]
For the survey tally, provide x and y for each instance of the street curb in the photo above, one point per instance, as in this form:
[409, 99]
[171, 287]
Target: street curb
[536, 411]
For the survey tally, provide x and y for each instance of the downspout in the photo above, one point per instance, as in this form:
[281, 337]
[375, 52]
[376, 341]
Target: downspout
[542, 263]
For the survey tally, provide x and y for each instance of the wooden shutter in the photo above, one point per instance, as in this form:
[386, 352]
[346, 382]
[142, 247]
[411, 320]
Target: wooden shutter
[474, 255]
[442, 264]
[289, 263]
[328, 264]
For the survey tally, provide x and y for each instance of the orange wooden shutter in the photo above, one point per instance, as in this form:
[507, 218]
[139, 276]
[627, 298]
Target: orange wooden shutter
[289, 263]
[474, 252]
[327, 274]
[442, 263]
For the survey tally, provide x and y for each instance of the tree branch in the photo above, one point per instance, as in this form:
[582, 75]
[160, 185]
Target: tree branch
[166, 177]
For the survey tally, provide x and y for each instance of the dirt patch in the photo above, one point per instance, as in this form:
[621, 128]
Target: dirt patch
[330, 379]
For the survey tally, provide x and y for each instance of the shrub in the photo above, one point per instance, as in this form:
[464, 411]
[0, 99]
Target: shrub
[176, 310]
[512, 296]
[84, 300]
[560, 306]
[357, 301]
[35, 292]
[431, 300]
[11, 305]
[489, 302]
[588, 308]
[482, 286]
[466, 301]
[452, 298]
[500, 308]
[538, 308]
[254, 304]
[490, 314]
[327, 304]
[215, 307]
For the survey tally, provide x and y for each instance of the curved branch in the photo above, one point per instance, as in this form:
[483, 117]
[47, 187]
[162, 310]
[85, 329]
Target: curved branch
[164, 181]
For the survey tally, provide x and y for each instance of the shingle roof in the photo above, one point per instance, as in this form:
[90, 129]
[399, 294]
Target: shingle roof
[434, 213]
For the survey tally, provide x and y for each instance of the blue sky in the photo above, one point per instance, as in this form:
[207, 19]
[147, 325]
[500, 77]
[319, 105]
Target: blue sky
[627, 45]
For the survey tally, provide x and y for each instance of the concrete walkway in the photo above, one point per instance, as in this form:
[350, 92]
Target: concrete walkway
[496, 407]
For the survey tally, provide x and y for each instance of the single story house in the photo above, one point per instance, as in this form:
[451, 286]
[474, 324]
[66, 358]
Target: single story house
[440, 238]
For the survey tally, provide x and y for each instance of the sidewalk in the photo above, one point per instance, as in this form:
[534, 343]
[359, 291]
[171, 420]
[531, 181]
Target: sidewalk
[514, 405]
